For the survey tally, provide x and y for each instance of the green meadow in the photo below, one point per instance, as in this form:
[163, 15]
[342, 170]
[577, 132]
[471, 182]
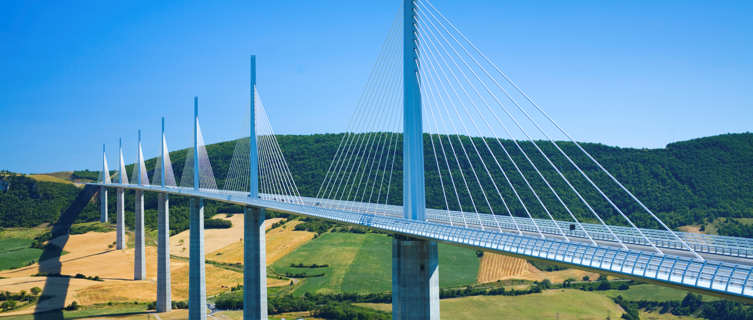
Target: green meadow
[361, 263]
[550, 304]
[16, 253]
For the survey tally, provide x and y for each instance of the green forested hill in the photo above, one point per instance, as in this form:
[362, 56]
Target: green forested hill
[684, 182]
[29, 202]
[687, 182]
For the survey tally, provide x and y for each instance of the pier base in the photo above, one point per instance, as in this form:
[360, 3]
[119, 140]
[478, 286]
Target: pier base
[254, 265]
[197, 288]
[164, 297]
[103, 204]
[139, 266]
[415, 279]
[120, 220]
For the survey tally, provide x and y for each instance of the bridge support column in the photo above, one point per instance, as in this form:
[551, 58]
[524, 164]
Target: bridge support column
[103, 204]
[120, 220]
[415, 269]
[197, 291]
[415, 279]
[139, 265]
[254, 265]
[164, 296]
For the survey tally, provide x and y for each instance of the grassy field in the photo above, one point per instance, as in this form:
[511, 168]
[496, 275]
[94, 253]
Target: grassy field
[495, 266]
[22, 233]
[18, 258]
[15, 253]
[280, 241]
[49, 178]
[121, 309]
[150, 238]
[362, 263]
[214, 239]
[653, 293]
[551, 304]
[663, 316]
[713, 226]
[238, 315]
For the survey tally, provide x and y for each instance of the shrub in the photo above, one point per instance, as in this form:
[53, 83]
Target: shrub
[343, 311]
[230, 301]
[545, 266]
[313, 265]
[73, 306]
[217, 224]
[8, 305]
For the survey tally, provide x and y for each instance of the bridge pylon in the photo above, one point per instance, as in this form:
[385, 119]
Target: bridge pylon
[120, 203]
[139, 266]
[197, 288]
[254, 244]
[164, 296]
[415, 271]
[102, 189]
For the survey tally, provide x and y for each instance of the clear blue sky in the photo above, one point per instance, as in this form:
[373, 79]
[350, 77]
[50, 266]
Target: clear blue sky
[78, 74]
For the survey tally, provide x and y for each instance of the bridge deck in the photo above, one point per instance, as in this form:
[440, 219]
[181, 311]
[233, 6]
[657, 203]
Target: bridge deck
[701, 243]
[725, 272]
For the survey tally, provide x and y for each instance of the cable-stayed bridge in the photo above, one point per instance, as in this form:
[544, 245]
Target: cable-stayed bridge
[442, 146]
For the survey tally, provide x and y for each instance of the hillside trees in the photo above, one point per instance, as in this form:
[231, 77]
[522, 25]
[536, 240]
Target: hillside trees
[689, 182]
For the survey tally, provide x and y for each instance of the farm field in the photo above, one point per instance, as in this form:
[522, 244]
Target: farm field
[663, 316]
[91, 254]
[495, 266]
[356, 263]
[550, 304]
[280, 241]
[653, 293]
[15, 251]
[362, 263]
[138, 312]
[557, 276]
[214, 239]
[238, 315]
[51, 178]
[93, 312]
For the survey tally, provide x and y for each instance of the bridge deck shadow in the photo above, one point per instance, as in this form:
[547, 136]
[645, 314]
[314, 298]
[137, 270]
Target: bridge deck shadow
[52, 299]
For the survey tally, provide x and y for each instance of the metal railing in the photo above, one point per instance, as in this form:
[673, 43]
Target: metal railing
[730, 279]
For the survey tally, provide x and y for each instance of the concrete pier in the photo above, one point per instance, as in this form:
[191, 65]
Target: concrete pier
[139, 265]
[120, 238]
[120, 220]
[197, 291]
[164, 296]
[254, 265]
[103, 204]
[415, 279]
[415, 269]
